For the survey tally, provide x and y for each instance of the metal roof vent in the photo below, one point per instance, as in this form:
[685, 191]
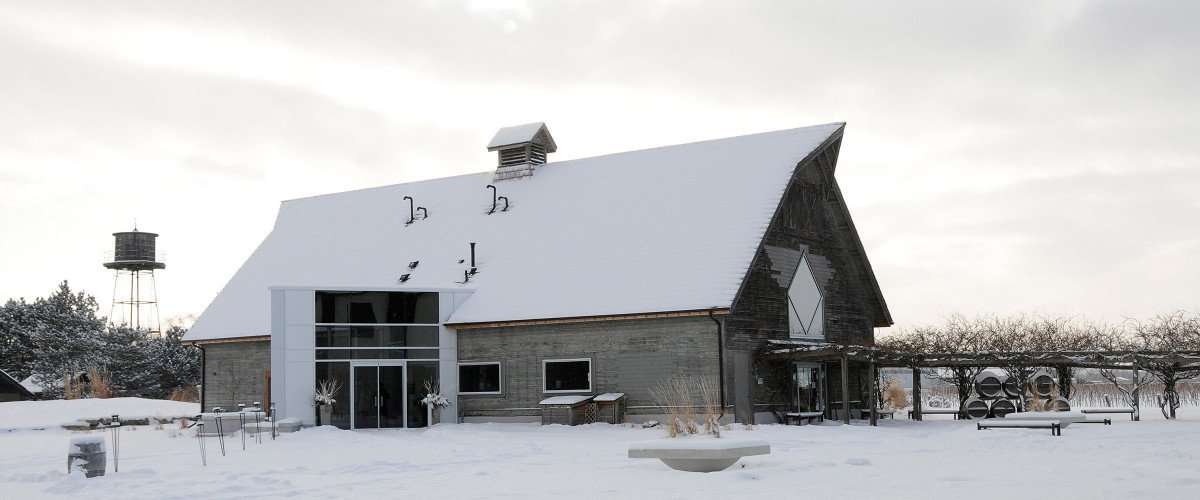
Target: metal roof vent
[521, 149]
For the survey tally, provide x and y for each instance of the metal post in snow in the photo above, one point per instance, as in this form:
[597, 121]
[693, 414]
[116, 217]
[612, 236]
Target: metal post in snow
[115, 424]
[220, 430]
[200, 437]
[242, 423]
[273, 418]
[257, 433]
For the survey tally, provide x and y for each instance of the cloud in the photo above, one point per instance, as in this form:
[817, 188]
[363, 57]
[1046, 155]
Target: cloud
[995, 158]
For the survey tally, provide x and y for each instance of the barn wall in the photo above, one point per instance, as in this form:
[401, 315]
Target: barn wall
[628, 356]
[235, 372]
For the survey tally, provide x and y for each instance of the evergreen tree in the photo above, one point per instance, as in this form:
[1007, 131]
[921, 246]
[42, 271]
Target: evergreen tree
[61, 335]
[16, 345]
[65, 334]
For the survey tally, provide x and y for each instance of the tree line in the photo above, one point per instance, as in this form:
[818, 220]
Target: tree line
[60, 338]
[1176, 332]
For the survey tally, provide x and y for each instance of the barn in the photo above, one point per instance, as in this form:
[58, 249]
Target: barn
[538, 279]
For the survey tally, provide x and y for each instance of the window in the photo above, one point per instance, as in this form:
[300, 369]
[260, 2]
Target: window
[806, 305]
[479, 378]
[377, 307]
[567, 375]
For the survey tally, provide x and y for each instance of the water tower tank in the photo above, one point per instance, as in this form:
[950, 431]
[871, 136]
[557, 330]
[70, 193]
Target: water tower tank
[134, 251]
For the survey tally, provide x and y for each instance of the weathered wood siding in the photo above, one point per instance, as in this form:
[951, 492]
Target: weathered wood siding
[808, 219]
[627, 356]
[235, 372]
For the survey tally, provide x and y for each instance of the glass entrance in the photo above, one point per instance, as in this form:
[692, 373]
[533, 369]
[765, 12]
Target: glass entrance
[810, 387]
[378, 396]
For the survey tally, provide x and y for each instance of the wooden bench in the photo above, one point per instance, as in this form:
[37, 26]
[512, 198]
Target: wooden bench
[802, 416]
[1055, 427]
[1109, 410]
[942, 411]
[1105, 421]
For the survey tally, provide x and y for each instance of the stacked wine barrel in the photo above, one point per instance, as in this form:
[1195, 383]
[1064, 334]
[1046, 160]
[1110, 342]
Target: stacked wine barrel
[998, 395]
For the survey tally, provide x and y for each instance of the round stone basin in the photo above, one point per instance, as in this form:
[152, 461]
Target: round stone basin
[699, 454]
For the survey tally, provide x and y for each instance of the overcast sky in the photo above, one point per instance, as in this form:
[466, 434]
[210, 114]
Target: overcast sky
[1041, 159]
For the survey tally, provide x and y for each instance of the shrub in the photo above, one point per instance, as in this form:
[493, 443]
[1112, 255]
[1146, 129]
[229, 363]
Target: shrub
[894, 396]
[187, 394]
[674, 397]
[100, 382]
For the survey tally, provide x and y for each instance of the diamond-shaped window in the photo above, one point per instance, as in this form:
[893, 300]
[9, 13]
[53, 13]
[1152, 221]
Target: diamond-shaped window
[806, 305]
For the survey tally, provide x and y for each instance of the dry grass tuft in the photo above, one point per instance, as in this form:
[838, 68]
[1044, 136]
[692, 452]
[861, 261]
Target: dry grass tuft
[894, 396]
[676, 398]
[71, 388]
[100, 382]
[710, 393]
[187, 394]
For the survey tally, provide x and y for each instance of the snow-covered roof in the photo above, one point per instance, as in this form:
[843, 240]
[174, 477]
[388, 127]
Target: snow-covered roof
[10, 384]
[519, 134]
[30, 385]
[564, 400]
[659, 230]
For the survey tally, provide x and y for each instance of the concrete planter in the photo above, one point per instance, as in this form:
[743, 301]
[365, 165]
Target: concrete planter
[699, 454]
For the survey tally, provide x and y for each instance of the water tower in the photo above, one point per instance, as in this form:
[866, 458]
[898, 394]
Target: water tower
[134, 261]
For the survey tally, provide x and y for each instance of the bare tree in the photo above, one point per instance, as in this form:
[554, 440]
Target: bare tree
[1169, 333]
[1016, 334]
[959, 335]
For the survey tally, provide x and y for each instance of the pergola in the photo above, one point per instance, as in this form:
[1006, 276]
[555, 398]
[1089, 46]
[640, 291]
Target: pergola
[877, 357]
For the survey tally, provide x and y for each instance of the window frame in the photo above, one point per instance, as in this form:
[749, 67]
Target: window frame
[500, 375]
[567, 360]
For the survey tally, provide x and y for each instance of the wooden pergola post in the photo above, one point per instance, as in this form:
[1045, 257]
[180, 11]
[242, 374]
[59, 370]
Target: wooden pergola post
[916, 394]
[874, 392]
[1137, 398]
[845, 390]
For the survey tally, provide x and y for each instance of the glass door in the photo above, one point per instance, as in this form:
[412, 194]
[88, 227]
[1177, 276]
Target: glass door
[378, 396]
[391, 396]
[810, 387]
[366, 397]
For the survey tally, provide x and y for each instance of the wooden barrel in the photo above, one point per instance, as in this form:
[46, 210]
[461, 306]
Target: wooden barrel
[86, 454]
[1002, 407]
[1042, 384]
[977, 408]
[1058, 403]
[988, 385]
[1011, 388]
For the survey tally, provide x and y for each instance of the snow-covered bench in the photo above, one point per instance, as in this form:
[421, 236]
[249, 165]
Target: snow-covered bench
[803, 416]
[1108, 410]
[1065, 418]
[1055, 427]
[936, 411]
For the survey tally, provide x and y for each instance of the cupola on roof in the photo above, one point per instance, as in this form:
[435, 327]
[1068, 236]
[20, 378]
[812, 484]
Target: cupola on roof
[521, 148]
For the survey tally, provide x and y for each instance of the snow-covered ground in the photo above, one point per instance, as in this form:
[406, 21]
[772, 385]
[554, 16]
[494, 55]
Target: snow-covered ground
[934, 459]
[38, 414]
